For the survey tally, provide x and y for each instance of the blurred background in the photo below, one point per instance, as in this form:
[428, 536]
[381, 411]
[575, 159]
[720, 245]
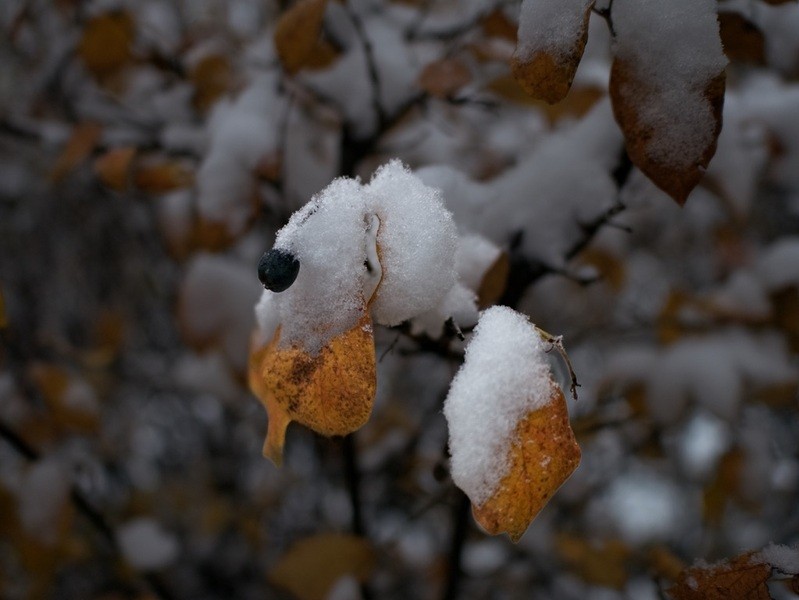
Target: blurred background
[149, 151]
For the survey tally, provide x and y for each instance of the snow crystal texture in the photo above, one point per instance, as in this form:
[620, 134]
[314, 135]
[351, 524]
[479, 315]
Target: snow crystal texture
[417, 241]
[504, 376]
[551, 26]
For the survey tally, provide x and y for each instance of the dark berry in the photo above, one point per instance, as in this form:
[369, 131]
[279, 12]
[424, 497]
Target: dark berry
[278, 269]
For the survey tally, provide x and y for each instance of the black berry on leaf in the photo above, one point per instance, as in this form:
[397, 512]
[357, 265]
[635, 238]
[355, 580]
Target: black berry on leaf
[278, 269]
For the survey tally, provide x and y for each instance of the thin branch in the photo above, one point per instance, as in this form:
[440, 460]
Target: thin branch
[605, 13]
[460, 527]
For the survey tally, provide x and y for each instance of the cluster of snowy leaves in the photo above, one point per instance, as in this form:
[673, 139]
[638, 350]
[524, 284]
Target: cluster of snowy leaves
[200, 126]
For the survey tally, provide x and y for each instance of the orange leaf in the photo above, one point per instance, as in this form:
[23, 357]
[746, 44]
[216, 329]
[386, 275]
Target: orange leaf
[311, 566]
[297, 32]
[114, 167]
[442, 78]
[542, 455]
[77, 149]
[675, 175]
[331, 393]
[106, 42]
[547, 71]
[741, 577]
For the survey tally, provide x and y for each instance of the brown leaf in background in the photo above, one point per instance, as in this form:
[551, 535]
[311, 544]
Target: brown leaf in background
[79, 146]
[442, 78]
[742, 40]
[331, 393]
[211, 77]
[741, 578]
[547, 74]
[297, 32]
[542, 455]
[107, 42]
[577, 102]
[494, 282]
[628, 94]
[162, 176]
[496, 24]
[3, 314]
[597, 563]
[311, 566]
[115, 167]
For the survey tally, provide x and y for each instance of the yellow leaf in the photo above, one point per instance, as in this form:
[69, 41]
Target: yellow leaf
[548, 74]
[106, 43]
[542, 455]
[311, 566]
[297, 32]
[331, 393]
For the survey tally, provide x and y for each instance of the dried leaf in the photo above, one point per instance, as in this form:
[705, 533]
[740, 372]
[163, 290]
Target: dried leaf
[741, 577]
[77, 149]
[163, 176]
[577, 102]
[676, 176]
[114, 168]
[106, 43]
[494, 282]
[71, 402]
[543, 69]
[211, 77]
[742, 40]
[442, 78]
[497, 24]
[542, 455]
[297, 32]
[311, 566]
[331, 393]
[599, 564]
[322, 56]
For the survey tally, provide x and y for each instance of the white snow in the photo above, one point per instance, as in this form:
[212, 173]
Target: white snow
[475, 256]
[702, 442]
[550, 26]
[504, 376]
[643, 507]
[417, 239]
[675, 74]
[216, 299]
[783, 558]
[241, 133]
[779, 266]
[330, 238]
[146, 545]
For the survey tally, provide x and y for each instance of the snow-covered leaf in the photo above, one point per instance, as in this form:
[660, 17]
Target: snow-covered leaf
[551, 40]
[510, 440]
[668, 97]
